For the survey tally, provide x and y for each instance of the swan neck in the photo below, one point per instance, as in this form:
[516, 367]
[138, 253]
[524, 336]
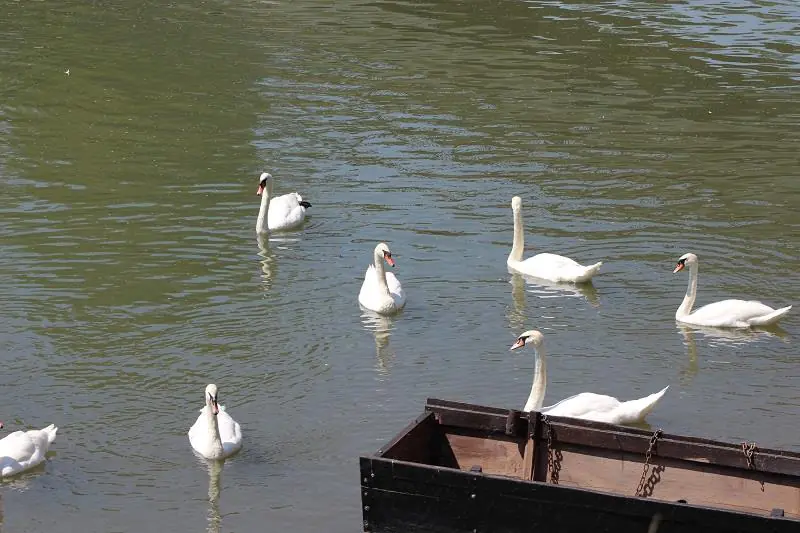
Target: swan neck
[380, 270]
[518, 245]
[213, 432]
[691, 293]
[536, 399]
[261, 222]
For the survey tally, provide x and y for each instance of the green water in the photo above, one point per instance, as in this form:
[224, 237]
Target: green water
[131, 138]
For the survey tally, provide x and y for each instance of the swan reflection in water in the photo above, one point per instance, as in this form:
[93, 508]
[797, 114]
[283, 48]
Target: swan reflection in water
[268, 263]
[214, 489]
[381, 326]
[722, 338]
[549, 289]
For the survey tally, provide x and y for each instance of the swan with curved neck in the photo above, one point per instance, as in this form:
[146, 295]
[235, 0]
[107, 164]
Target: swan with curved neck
[586, 405]
[278, 213]
[551, 267]
[725, 313]
[215, 434]
[381, 291]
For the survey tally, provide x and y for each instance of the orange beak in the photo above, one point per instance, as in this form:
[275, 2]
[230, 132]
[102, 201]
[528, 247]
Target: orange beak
[260, 190]
[518, 344]
[389, 259]
[678, 267]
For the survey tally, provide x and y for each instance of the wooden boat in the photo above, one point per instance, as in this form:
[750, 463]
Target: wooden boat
[469, 468]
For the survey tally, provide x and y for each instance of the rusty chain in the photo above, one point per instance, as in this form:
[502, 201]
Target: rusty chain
[551, 466]
[749, 450]
[647, 456]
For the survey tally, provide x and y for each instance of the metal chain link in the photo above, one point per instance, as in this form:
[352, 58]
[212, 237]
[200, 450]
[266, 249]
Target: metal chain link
[749, 450]
[551, 467]
[647, 456]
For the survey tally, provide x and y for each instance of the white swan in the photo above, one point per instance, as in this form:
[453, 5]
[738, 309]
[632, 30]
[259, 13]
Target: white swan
[586, 405]
[381, 291]
[215, 435]
[724, 314]
[281, 212]
[22, 450]
[546, 266]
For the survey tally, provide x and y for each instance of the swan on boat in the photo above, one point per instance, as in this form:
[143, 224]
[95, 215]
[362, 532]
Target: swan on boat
[381, 291]
[23, 450]
[551, 267]
[586, 405]
[725, 313]
[215, 434]
[281, 212]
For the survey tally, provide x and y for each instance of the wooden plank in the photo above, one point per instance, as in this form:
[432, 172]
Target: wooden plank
[403, 442]
[417, 442]
[404, 497]
[677, 447]
[478, 417]
[673, 480]
[634, 440]
[498, 455]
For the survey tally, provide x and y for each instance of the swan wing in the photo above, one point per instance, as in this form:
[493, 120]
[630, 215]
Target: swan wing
[580, 405]
[285, 211]
[17, 446]
[734, 313]
[229, 431]
[395, 289]
[601, 408]
[555, 268]
[22, 450]
[198, 433]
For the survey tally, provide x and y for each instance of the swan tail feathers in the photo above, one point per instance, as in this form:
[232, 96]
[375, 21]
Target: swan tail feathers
[590, 272]
[771, 318]
[637, 410]
[50, 432]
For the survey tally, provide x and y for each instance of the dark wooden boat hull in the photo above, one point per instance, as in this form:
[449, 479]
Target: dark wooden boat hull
[467, 468]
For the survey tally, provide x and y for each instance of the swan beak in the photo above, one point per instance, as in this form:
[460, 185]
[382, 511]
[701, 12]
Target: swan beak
[260, 189]
[518, 344]
[389, 260]
[678, 267]
[214, 407]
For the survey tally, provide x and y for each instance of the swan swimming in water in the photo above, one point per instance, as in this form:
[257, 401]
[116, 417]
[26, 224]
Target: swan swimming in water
[381, 291]
[551, 267]
[23, 450]
[586, 405]
[281, 212]
[215, 434]
[725, 313]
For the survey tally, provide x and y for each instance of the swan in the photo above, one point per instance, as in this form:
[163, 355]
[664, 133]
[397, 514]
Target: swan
[586, 405]
[22, 450]
[551, 267]
[381, 291]
[723, 314]
[215, 434]
[281, 212]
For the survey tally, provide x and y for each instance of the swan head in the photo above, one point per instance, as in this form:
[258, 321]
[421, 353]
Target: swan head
[531, 336]
[211, 399]
[383, 249]
[263, 180]
[684, 261]
[516, 203]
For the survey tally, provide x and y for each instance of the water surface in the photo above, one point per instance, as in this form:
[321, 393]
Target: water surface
[130, 274]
